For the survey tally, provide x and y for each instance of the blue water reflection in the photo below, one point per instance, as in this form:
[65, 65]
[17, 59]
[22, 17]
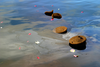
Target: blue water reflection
[20, 16]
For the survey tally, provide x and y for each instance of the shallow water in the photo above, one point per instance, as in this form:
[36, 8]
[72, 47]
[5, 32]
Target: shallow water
[20, 18]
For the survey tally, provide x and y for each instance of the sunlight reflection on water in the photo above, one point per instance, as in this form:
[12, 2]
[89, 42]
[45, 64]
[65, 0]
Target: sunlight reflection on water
[20, 18]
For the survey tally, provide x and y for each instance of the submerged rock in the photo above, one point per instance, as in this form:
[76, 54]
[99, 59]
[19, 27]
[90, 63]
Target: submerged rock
[78, 42]
[61, 29]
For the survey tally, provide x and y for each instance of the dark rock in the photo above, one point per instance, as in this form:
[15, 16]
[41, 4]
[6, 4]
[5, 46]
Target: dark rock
[49, 13]
[78, 42]
[56, 15]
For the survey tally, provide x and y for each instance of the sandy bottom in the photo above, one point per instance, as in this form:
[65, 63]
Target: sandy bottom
[53, 49]
[49, 49]
[52, 52]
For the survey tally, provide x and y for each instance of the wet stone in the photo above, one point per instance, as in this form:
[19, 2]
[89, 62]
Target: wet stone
[56, 15]
[78, 42]
[49, 13]
[77, 39]
[61, 29]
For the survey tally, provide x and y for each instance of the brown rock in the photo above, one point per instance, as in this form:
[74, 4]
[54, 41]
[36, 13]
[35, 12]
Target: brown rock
[56, 15]
[60, 29]
[77, 40]
[49, 13]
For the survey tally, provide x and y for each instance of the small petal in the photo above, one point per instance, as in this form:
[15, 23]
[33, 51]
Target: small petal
[1, 21]
[29, 34]
[19, 48]
[35, 6]
[27, 41]
[52, 19]
[75, 55]
[38, 57]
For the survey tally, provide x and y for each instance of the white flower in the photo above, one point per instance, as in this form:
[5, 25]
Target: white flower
[58, 9]
[72, 50]
[37, 42]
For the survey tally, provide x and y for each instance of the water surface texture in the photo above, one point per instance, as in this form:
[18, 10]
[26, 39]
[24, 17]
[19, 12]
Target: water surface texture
[18, 18]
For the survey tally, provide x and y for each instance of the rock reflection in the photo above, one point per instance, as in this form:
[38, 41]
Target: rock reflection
[81, 46]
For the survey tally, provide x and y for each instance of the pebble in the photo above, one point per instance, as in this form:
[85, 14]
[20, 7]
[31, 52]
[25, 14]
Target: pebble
[49, 13]
[60, 29]
[77, 40]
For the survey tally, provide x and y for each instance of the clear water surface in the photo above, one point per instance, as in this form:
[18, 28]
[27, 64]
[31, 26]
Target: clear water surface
[18, 18]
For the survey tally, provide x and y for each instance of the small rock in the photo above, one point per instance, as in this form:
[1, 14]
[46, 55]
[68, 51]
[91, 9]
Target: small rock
[77, 39]
[56, 15]
[60, 29]
[49, 13]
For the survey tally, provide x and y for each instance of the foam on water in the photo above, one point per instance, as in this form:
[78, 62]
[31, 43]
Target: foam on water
[91, 32]
[72, 33]
[68, 35]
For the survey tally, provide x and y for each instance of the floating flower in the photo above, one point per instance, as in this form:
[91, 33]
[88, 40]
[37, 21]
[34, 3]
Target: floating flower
[35, 6]
[75, 55]
[1, 27]
[29, 34]
[1, 21]
[19, 48]
[37, 42]
[72, 50]
[38, 57]
[52, 19]
[27, 41]
[81, 11]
